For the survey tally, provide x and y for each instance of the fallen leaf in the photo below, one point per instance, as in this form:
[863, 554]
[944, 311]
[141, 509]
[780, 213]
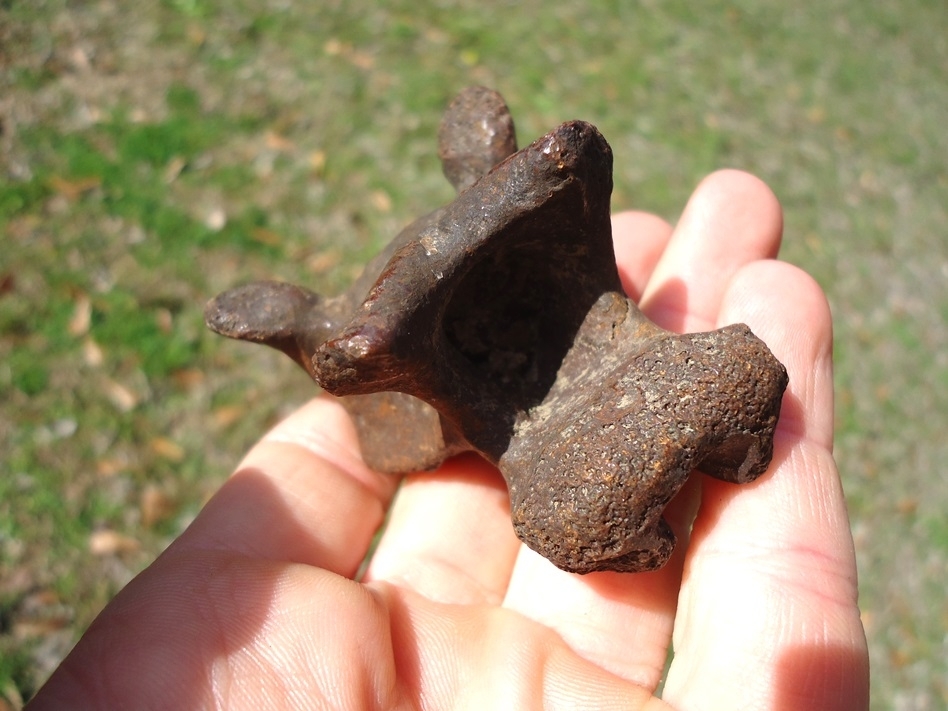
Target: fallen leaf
[196, 35]
[39, 599]
[80, 59]
[317, 161]
[106, 468]
[227, 415]
[267, 237]
[167, 449]
[322, 262]
[334, 47]
[907, 506]
[155, 505]
[108, 542]
[363, 60]
[30, 629]
[381, 200]
[275, 142]
[81, 316]
[899, 658]
[164, 320]
[92, 353]
[174, 168]
[120, 396]
[74, 189]
[816, 114]
[188, 378]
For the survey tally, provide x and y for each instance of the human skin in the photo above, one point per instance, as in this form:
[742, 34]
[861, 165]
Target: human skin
[254, 605]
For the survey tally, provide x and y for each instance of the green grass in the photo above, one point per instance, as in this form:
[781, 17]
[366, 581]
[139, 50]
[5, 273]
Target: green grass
[155, 154]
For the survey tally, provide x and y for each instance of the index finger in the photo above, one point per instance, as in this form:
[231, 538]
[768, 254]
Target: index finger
[302, 494]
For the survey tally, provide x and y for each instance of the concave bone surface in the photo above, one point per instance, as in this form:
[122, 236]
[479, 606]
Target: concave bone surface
[504, 311]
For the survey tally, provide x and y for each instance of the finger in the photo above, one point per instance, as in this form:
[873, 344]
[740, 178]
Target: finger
[639, 239]
[449, 535]
[731, 219]
[610, 619]
[302, 494]
[206, 629]
[768, 615]
[619, 621]
[584, 611]
[452, 656]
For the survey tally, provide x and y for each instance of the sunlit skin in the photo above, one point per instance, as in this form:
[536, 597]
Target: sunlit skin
[255, 605]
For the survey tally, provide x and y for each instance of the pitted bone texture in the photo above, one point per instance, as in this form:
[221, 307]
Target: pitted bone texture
[498, 324]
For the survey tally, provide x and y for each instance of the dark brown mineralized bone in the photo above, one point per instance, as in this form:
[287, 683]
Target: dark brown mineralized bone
[498, 324]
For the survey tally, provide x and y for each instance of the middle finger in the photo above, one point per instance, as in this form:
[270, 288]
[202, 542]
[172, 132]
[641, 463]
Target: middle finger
[624, 622]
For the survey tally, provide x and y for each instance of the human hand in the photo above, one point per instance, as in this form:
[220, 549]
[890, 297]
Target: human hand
[255, 605]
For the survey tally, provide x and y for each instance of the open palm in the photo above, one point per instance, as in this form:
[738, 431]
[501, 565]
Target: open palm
[255, 605]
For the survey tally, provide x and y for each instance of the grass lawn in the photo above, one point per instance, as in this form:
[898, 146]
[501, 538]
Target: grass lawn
[153, 154]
